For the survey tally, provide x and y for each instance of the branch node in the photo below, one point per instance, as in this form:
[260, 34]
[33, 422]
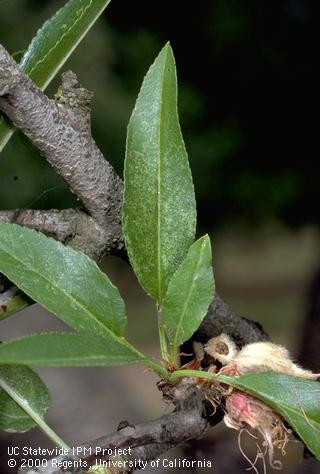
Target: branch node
[77, 98]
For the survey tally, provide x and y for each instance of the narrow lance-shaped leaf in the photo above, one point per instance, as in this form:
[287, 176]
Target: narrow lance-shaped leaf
[28, 391]
[53, 44]
[159, 212]
[189, 294]
[295, 398]
[66, 282]
[67, 350]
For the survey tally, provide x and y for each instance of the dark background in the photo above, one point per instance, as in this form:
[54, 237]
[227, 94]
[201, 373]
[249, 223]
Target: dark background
[248, 103]
[248, 88]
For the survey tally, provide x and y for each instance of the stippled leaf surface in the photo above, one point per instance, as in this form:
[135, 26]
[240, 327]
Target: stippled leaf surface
[53, 44]
[295, 398]
[189, 294]
[20, 388]
[66, 282]
[66, 350]
[159, 213]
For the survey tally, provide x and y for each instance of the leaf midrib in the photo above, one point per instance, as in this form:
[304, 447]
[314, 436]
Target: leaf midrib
[160, 155]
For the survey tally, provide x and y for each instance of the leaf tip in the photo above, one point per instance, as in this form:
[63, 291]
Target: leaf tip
[167, 52]
[205, 242]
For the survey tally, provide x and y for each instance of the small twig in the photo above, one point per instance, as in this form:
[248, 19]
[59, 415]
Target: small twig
[70, 226]
[60, 224]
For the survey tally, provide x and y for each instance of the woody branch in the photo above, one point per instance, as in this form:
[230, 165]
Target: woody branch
[142, 442]
[60, 129]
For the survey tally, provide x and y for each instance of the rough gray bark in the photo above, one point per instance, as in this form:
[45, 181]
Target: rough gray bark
[60, 129]
[146, 441]
[61, 224]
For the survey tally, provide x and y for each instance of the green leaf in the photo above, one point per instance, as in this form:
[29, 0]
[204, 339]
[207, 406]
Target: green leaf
[295, 398]
[159, 212]
[21, 392]
[189, 294]
[67, 350]
[53, 44]
[66, 282]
